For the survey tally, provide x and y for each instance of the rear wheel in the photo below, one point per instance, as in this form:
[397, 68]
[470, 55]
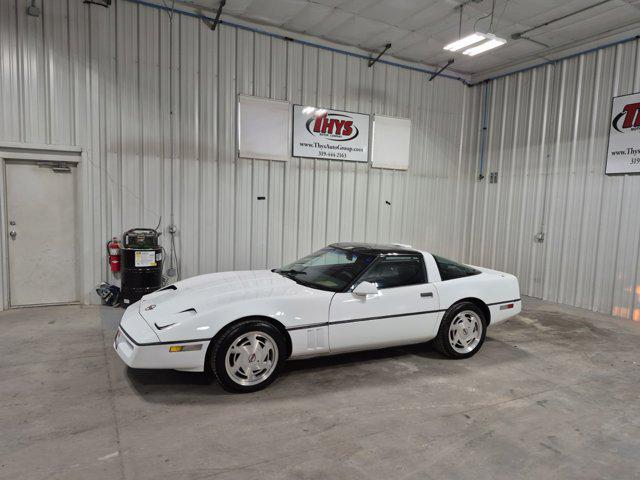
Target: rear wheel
[248, 356]
[462, 331]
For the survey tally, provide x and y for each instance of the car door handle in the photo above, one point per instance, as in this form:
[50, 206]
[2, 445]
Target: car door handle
[426, 294]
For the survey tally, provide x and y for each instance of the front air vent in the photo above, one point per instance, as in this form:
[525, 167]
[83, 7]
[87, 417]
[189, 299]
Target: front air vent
[163, 326]
[192, 311]
[168, 287]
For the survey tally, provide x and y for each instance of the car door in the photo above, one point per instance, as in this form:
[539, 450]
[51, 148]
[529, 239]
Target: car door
[404, 309]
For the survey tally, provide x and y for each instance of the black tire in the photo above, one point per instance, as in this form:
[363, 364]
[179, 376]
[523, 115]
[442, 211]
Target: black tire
[220, 347]
[443, 342]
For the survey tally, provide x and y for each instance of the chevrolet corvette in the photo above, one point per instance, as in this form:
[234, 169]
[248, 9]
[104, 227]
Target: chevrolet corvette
[345, 297]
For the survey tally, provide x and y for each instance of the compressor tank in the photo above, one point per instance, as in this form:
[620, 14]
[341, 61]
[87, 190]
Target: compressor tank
[141, 261]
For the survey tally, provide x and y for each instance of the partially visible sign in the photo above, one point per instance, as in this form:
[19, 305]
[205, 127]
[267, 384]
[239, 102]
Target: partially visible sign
[330, 134]
[145, 258]
[623, 155]
[264, 128]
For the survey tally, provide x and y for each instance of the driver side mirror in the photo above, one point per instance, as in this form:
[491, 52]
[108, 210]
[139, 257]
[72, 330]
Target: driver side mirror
[365, 288]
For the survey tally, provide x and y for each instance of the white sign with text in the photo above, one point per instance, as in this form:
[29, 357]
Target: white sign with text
[623, 155]
[330, 134]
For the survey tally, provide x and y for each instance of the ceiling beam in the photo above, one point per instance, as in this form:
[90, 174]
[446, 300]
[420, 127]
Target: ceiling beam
[435, 74]
[372, 61]
[213, 24]
[308, 40]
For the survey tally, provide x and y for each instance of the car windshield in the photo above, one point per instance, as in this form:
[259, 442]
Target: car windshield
[331, 268]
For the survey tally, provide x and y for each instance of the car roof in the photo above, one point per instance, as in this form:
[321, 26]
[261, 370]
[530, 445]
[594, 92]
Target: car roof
[374, 248]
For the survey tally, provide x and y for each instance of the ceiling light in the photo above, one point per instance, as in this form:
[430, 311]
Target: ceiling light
[465, 42]
[483, 47]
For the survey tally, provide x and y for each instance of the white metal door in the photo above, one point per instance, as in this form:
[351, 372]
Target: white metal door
[394, 316]
[41, 201]
[404, 310]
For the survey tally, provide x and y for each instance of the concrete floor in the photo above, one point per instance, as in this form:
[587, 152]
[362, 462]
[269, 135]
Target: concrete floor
[554, 393]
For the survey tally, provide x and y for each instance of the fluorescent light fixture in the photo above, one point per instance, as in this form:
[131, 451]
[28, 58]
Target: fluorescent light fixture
[465, 42]
[490, 44]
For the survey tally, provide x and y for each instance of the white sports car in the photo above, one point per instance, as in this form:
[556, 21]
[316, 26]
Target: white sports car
[345, 297]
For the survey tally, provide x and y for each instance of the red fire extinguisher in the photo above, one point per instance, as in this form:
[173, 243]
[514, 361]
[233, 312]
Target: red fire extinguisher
[114, 254]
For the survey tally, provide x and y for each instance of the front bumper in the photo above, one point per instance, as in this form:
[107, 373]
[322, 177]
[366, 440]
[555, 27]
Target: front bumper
[139, 353]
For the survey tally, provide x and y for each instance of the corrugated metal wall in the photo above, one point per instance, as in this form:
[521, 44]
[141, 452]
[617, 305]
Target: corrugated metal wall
[101, 79]
[547, 139]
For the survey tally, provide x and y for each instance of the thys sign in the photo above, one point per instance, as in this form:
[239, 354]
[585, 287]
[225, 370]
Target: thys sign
[330, 134]
[623, 154]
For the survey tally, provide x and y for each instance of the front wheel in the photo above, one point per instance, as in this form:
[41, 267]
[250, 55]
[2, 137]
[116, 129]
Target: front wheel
[248, 356]
[462, 331]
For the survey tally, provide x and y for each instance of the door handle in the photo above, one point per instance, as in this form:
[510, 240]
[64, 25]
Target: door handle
[427, 294]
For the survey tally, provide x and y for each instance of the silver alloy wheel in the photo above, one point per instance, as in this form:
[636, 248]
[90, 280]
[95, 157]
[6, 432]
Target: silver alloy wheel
[465, 331]
[251, 358]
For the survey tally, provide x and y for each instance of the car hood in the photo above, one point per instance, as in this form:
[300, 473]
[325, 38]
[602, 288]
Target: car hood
[204, 293]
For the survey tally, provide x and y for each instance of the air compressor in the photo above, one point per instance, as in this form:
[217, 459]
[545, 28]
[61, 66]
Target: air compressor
[141, 259]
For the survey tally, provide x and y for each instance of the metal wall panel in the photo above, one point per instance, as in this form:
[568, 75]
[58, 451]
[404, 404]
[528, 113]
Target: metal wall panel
[547, 139]
[107, 80]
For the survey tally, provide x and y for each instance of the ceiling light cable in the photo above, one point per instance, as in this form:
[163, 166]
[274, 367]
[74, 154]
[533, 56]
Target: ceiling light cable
[493, 10]
[172, 228]
[478, 19]
[504, 9]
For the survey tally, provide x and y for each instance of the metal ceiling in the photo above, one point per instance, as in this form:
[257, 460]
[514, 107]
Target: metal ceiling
[418, 29]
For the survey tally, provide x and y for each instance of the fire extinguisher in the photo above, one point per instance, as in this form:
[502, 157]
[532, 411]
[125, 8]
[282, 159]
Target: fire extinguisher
[114, 254]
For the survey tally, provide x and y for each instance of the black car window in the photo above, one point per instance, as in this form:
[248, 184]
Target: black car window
[450, 269]
[396, 271]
